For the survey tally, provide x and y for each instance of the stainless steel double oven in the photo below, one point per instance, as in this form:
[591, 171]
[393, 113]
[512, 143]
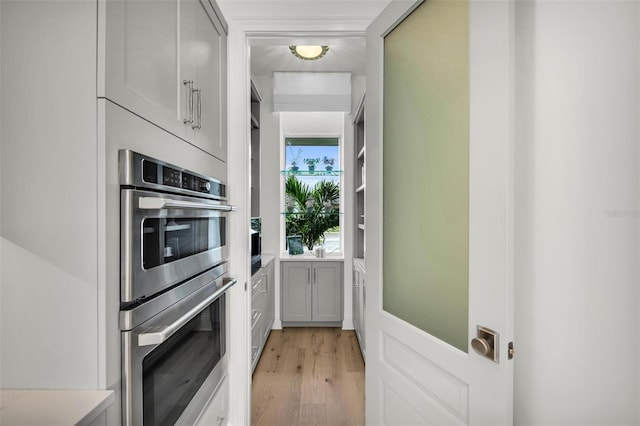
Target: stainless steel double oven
[173, 317]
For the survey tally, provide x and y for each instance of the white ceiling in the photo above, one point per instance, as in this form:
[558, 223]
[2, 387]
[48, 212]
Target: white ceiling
[346, 55]
[346, 20]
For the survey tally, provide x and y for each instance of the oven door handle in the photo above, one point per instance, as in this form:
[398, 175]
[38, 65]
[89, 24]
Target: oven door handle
[157, 335]
[158, 203]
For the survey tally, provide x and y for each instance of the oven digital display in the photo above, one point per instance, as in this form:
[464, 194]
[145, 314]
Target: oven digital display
[171, 177]
[149, 171]
[189, 182]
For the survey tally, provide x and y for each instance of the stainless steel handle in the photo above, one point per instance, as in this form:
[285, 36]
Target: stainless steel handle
[159, 203]
[199, 108]
[315, 276]
[189, 85]
[198, 124]
[309, 276]
[157, 335]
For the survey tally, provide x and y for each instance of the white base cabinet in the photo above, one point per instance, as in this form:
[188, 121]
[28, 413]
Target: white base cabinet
[311, 293]
[359, 301]
[217, 411]
[262, 308]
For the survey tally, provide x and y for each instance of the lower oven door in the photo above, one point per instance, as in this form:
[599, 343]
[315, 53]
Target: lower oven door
[165, 238]
[173, 362]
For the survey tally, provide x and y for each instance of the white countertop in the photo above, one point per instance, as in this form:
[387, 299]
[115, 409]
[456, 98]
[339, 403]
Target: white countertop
[267, 257]
[34, 407]
[308, 257]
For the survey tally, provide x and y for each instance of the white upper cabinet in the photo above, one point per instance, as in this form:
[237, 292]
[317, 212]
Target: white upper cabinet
[166, 62]
[207, 47]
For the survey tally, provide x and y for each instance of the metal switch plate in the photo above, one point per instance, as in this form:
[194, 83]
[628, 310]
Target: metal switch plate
[486, 343]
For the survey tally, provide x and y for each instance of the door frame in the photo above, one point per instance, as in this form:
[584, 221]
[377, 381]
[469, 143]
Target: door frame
[242, 32]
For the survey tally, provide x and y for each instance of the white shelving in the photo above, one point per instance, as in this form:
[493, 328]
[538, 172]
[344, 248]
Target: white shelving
[360, 185]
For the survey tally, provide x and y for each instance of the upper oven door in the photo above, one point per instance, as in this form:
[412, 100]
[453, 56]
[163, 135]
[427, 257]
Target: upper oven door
[166, 239]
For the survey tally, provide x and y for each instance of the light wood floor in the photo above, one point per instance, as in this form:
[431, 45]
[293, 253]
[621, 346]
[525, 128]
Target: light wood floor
[309, 376]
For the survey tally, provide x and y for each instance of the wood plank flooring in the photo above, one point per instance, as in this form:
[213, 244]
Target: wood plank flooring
[309, 376]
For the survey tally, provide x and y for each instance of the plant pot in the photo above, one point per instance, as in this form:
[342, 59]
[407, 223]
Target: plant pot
[294, 169]
[312, 169]
[329, 168]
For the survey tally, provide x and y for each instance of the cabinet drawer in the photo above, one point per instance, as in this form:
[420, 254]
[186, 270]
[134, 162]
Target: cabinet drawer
[257, 308]
[216, 412]
[256, 341]
[258, 284]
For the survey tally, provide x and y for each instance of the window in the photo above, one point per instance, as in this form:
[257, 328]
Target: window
[312, 189]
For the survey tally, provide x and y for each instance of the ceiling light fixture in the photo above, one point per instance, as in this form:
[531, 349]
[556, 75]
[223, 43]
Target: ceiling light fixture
[309, 53]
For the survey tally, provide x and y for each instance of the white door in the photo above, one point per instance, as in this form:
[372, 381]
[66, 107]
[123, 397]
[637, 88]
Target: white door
[439, 212]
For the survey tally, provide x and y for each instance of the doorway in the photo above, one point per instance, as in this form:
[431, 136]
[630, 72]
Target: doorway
[305, 374]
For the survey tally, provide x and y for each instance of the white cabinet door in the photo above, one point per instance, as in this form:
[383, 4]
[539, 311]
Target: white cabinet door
[326, 294]
[142, 61]
[359, 303]
[355, 301]
[296, 291]
[269, 301]
[363, 310]
[208, 55]
[166, 62]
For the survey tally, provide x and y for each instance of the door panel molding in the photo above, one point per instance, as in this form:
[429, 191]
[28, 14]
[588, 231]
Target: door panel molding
[443, 387]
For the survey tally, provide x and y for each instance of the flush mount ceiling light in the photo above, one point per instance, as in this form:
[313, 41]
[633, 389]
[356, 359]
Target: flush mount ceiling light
[309, 53]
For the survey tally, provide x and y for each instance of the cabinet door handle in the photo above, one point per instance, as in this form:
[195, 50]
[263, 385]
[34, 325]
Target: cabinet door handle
[315, 276]
[189, 86]
[198, 114]
[364, 295]
[309, 276]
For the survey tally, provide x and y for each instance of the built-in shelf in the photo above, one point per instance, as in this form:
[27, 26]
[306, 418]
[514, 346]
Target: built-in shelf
[312, 173]
[359, 186]
[254, 124]
[313, 213]
[358, 291]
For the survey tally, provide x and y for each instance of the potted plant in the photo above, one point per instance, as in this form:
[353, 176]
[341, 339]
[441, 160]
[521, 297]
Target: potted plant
[311, 163]
[317, 210]
[295, 159]
[328, 163]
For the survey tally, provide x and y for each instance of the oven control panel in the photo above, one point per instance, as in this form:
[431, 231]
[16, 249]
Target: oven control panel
[143, 171]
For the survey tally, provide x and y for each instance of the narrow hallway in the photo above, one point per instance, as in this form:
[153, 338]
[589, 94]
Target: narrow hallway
[309, 376]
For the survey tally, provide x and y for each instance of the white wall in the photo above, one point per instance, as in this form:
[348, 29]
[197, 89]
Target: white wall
[49, 293]
[577, 217]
